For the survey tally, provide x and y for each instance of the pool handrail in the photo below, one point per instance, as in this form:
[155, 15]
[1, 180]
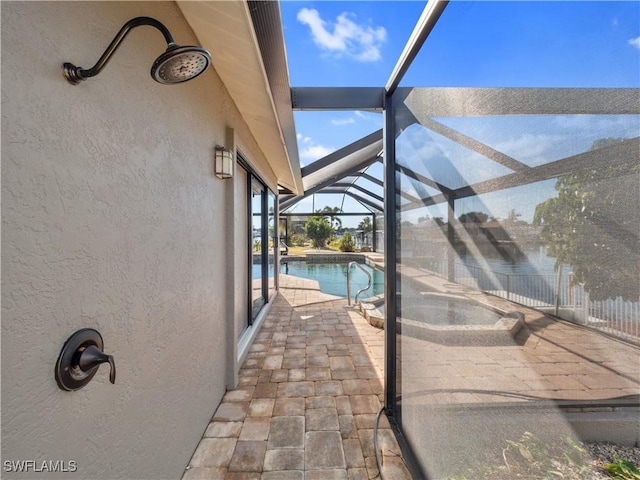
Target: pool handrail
[286, 247]
[355, 299]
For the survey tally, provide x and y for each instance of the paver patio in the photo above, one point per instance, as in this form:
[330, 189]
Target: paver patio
[312, 384]
[308, 395]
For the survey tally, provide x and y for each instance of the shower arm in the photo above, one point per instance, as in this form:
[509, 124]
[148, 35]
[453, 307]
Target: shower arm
[76, 74]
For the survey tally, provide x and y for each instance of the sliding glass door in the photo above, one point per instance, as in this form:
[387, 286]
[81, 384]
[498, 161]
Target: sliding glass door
[263, 244]
[272, 201]
[258, 274]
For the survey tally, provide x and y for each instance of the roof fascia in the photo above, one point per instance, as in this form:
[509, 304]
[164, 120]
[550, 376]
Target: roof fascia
[228, 30]
[267, 23]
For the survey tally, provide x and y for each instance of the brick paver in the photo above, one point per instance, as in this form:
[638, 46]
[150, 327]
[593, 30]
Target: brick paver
[312, 384]
[307, 398]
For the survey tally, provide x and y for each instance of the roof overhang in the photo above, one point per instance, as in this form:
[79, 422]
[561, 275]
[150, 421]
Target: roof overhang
[228, 31]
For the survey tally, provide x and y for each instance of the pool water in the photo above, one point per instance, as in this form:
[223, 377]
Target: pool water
[332, 277]
[440, 311]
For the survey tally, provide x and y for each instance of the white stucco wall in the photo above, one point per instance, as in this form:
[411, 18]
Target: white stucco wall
[112, 219]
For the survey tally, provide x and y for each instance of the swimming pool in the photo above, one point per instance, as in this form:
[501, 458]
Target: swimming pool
[332, 277]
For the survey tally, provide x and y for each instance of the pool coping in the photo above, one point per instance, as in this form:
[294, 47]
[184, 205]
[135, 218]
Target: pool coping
[500, 333]
[325, 257]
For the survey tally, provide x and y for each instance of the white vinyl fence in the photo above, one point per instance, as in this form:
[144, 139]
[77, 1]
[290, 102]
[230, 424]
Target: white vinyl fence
[556, 294]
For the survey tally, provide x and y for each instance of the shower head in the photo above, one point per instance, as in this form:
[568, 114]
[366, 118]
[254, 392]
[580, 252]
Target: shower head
[176, 65]
[180, 64]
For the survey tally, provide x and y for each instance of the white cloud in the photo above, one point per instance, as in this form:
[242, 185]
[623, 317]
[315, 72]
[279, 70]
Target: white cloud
[343, 121]
[344, 36]
[359, 117]
[302, 139]
[375, 118]
[635, 42]
[534, 148]
[314, 152]
[309, 151]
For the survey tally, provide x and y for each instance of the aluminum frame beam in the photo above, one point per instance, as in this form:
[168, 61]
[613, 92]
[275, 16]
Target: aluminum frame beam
[337, 98]
[474, 145]
[422, 179]
[346, 173]
[617, 154]
[292, 200]
[464, 102]
[354, 147]
[362, 200]
[372, 179]
[360, 189]
[421, 31]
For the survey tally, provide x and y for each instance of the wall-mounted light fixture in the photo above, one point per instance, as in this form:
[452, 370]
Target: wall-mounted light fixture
[224, 162]
[176, 65]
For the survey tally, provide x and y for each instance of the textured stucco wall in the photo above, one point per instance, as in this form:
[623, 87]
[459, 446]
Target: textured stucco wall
[111, 219]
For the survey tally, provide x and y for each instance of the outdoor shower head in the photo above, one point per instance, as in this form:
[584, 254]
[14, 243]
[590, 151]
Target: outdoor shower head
[180, 64]
[176, 65]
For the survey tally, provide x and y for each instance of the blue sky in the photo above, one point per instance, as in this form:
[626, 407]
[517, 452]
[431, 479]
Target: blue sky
[343, 44]
[480, 44]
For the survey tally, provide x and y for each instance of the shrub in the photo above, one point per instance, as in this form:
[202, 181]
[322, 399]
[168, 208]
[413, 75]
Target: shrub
[297, 241]
[346, 243]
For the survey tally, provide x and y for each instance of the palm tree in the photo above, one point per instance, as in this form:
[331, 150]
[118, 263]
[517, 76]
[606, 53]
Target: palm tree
[365, 225]
[330, 214]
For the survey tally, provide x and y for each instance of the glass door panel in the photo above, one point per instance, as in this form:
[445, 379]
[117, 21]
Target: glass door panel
[257, 241]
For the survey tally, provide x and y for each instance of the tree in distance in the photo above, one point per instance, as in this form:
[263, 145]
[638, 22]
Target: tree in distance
[319, 230]
[592, 225]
